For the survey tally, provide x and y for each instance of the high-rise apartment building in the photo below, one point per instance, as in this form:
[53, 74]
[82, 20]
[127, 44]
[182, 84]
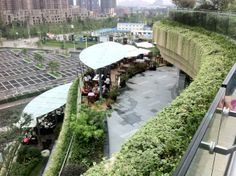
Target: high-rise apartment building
[107, 6]
[70, 2]
[92, 5]
[14, 5]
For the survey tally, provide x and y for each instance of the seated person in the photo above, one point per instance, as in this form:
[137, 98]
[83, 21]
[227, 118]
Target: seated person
[84, 90]
[96, 90]
[104, 90]
[107, 82]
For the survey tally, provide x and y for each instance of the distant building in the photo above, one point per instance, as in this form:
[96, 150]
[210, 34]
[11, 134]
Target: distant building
[144, 34]
[14, 5]
[108, 6]
[71, 3]
[38, 16]
[91, 5]
[130, 26]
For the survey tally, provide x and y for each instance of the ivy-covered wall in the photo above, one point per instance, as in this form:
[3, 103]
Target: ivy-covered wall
[157, 147]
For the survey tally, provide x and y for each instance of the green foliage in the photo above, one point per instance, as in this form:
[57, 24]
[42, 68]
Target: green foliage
[39, 58]
[54, 66]
[185, 3]
[113, 93]
[58, 154]
[28, 158]
[90, 124]
[157, 147]
[9, 31]
[87, 147]
[213, 21]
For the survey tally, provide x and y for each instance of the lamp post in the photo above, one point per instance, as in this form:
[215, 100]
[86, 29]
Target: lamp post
[72, 27]
[17, 35]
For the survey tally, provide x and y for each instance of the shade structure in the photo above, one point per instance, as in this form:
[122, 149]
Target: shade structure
[102, 54]
[132, 51]
[143, 51]
[45, 103]
[144, 45]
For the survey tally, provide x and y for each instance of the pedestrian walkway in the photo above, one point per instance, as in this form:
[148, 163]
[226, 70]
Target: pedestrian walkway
[146, 94]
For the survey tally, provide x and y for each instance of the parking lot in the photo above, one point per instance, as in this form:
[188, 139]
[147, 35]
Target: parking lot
[18, 77]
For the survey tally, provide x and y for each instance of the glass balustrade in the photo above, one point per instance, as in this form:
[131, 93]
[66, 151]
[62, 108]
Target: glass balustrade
[210, 153]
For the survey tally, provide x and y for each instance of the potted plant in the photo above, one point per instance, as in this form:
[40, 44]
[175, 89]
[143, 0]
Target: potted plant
[113, 93]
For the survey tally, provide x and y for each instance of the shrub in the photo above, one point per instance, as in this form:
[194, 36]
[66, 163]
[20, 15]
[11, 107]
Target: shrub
[58, 154]
[87, 147]
[27, 159]
[113, 93]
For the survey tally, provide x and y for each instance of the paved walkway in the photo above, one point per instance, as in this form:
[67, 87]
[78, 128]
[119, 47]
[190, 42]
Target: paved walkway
[145, 95]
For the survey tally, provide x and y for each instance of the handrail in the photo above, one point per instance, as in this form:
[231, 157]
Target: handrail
[73, 136]
[226, 12]
[193, 147]
[196, 141]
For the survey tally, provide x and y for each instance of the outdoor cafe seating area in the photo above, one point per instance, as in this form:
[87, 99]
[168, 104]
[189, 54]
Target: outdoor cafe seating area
[111, 76]
[45, 126]
[91, 87]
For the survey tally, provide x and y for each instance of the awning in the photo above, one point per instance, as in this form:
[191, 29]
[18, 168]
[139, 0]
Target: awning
[132, 51]
[103, 54]
[45, 103]
[144, 45]
[143, 51]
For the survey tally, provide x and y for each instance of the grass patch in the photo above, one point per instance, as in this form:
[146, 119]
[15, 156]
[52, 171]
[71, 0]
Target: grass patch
[27, 60]
[55, 74]
[67, 45]
[40, 66]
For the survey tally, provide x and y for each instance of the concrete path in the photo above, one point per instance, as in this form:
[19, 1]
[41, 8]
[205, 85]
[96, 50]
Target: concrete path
[145, 95]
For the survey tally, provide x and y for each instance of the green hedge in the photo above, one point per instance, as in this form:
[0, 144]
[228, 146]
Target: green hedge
[214, 21]
[59, 151]
[157, 147]
[89, 134]
[28, 158]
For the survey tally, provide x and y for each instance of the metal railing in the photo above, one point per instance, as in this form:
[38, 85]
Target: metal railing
[220, 22]
[212, 149]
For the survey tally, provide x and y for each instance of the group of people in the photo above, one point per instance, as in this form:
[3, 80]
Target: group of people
[48, 122]
[91, 87]
[30, 137]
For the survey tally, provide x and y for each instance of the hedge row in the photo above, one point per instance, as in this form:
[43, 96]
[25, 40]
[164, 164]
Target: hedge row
[157, 147]
[218, 22]
[59, 151]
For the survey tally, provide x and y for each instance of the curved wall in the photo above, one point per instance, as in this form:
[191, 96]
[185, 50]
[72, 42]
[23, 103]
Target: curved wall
[178, 50]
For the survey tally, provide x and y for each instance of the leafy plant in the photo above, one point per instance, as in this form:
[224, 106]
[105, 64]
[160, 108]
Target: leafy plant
[113, 93]
[58, 154]
[54, 66]
[39, 59]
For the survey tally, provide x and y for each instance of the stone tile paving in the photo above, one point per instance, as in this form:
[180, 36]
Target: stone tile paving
[18, 77]
[146, 94]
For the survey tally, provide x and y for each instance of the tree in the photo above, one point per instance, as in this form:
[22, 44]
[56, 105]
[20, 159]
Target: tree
[185, 3]
[25, 52]
[216, 4]
[39, 58]
[54, 66]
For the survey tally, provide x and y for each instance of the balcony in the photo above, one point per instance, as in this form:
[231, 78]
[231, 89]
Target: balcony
[212, 149]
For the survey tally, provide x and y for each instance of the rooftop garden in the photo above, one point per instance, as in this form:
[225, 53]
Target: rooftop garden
[156, 149]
